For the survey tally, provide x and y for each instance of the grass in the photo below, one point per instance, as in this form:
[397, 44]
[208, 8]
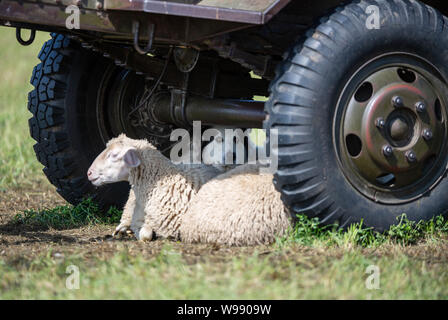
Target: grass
[277, 276]
[313, 262]
[65, 217]
[18, 164]
[307, 231]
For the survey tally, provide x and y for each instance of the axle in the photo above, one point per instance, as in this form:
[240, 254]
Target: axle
[221, 112]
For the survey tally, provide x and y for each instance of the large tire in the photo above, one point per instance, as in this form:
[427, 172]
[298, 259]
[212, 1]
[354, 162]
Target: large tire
[64, 121]
[309, 98]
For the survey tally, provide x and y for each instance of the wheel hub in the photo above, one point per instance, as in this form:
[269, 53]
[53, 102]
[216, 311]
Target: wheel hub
[400, 129]
[393, 129]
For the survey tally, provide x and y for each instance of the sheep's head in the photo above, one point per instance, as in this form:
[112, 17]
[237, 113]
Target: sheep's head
[113, 164]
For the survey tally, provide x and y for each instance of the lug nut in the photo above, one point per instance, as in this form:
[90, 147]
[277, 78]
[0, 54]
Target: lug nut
[411, 156]
[380, 123]
[387, 150]
[420, 107]
[427, 134]
[397, 101]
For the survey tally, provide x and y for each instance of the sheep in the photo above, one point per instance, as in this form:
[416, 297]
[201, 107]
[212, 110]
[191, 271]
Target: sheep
[239, 207]
[216, 152]
[158, 187]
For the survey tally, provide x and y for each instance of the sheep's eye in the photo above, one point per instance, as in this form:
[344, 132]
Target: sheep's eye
[112, 155]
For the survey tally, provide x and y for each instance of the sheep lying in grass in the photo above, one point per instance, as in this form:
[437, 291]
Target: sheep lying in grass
[238, 207]
[160, 190]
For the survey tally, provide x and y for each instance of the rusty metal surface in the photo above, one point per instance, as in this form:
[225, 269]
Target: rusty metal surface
[34, 12]
[253, 12]
[86, 4]
[249, 5]
[177, 22]
[113, 23]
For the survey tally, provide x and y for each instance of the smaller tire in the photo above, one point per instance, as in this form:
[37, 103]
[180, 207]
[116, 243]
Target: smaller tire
[64, 120]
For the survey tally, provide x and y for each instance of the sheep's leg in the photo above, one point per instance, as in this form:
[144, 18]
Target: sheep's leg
[138, 219]
[126, 218]
[146, 231]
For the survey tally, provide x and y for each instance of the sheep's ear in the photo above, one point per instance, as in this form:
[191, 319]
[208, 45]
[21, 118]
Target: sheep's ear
[131, 158]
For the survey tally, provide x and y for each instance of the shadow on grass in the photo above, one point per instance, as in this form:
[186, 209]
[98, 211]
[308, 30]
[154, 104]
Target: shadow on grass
[33, 235]
[33, 225]
[87, 213]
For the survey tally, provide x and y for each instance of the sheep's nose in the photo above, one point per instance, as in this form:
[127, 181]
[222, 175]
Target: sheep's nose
[90, 174]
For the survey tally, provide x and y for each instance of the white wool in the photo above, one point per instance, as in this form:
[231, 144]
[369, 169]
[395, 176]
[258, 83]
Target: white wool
[194, 203]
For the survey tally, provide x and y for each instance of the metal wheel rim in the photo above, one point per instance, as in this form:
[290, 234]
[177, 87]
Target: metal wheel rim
[118, 93]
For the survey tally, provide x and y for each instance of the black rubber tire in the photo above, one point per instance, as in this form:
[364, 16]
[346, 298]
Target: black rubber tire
[304, 96]
[64, 121]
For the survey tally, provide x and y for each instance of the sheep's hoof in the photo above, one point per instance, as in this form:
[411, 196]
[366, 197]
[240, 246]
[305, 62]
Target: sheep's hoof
[121, 231]
[145, 235]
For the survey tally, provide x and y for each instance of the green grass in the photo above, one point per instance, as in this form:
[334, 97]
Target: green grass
[18, 164]
[313, 262]
[65, 217]
[167, 276]
[309, 232]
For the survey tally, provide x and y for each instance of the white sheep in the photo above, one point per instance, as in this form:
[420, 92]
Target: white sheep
[239, 207]
[160, 190]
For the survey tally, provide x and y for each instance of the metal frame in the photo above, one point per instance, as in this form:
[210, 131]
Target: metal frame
[176, 23]
[199, 11]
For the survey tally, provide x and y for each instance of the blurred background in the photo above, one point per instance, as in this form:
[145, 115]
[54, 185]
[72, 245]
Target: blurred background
[18, 164]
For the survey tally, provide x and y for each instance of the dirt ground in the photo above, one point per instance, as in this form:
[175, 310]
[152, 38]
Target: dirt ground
[19, 241]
